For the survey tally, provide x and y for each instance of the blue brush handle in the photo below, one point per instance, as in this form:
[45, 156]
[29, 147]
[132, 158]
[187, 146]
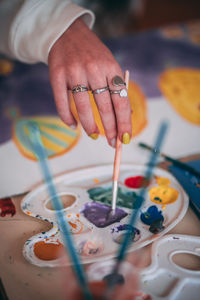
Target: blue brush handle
[141, 196]
[40, 153]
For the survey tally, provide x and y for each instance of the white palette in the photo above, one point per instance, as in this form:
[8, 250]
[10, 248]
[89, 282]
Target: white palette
[77, 183]
[164, 279]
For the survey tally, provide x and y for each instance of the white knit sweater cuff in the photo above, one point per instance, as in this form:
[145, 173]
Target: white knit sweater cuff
[34, 33]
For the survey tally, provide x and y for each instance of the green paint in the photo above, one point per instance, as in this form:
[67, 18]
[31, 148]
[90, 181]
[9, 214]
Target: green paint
[124, 198]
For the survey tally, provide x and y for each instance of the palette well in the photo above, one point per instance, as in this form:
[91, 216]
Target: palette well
[86, 195]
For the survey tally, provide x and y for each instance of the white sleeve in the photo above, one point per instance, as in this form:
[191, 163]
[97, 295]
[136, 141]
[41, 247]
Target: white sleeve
[29, 28]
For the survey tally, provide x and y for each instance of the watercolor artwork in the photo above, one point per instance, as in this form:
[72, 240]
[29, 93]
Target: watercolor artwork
[87, 204]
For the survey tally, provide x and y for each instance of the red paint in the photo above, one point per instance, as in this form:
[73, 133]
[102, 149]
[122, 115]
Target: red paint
[7, 207]
[135, 182]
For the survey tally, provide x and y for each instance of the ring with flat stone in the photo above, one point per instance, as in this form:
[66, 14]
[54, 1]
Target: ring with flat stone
[118, 81]
[101, 90]
[122, 93]
[79, 88]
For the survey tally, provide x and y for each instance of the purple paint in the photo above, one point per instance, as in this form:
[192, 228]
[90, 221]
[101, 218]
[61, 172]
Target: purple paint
[120, 230]
[98, 214]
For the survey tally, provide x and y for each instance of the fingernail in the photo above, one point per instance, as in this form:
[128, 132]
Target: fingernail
[113, 142]
[126, 138]
[94, 136]
[73, 126]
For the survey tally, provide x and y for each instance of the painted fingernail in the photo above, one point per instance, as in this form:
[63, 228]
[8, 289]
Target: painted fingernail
[126, 138]
[113, 142]
[94, 136]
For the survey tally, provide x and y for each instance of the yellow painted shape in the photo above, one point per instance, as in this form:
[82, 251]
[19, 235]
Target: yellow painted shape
[138, 107]
[162, 181]
[181, 87]
[165, 194]
[51, 145]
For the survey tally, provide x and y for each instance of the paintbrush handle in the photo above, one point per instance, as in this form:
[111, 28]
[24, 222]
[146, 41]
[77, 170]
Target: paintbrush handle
[117, 160]
[40, 151]
[175, 162]
[182, 165]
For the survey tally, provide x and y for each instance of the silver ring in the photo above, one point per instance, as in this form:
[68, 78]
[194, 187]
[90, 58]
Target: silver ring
[122, 93]
[101, 90]
[79, 88]
[118, 81]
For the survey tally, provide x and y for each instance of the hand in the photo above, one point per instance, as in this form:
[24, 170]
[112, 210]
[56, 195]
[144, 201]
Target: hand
[79, 57]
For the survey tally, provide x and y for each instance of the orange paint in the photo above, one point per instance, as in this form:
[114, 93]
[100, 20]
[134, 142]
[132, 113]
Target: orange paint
[48, 251]
[96, 180]
[72, 224]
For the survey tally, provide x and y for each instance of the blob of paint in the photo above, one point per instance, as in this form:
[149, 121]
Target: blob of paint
[7, 207]
[156, 226]
[75, 224]
[48, 250]
[99, 214]
[136, 182]
[154, 218]
[162, 180]
[119, 231]
[126, 199]
[151, 215]
[163, 194]
[89, 248]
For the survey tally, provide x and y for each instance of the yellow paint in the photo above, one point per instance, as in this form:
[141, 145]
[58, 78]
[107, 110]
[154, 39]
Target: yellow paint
[163, 194]
[162, 181]
[94, 136]
[180, 87]
[49, 144]
[126, 138]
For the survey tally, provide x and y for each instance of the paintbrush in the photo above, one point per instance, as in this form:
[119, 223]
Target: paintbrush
[117, 161]
[175, 162]
[40, 153]
[140, 198]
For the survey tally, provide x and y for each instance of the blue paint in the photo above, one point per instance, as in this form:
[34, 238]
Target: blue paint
[151, 215]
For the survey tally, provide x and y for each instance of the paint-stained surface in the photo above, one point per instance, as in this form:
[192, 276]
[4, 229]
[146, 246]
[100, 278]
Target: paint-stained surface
[163, 194]
[7, 207]
[99, 214]
[119, 231]
[136, 182]
[125, 198]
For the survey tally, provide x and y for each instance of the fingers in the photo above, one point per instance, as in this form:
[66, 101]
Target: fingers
[122, 109]
[83, 106]
[59, 86]
[105, 108]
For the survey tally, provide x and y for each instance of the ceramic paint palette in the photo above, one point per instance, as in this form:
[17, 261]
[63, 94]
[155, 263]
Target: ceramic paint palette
[165, 278]
[86, 195]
